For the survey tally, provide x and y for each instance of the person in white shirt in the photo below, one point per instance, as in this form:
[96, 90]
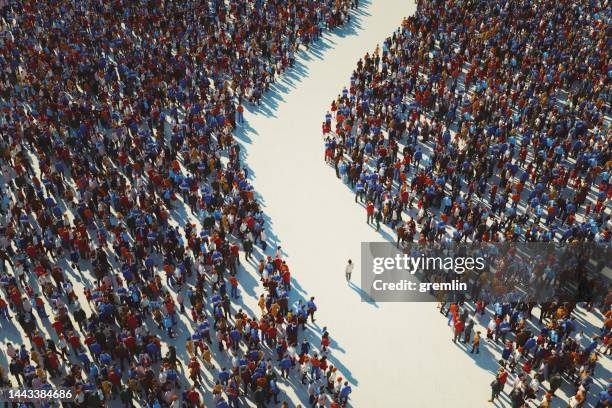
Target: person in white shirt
[534, 385]
[349, 270]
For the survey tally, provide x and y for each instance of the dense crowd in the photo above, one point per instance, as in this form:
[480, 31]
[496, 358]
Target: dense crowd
[537, 358]
[125, 210]
[492, 114]
[488, 121]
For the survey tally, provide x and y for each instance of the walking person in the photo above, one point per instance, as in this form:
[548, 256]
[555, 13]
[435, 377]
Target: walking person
[348, 271]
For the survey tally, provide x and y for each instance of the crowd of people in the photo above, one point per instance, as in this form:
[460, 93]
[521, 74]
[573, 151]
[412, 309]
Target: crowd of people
[489, 119]
[489, 122]
[126, 217]
[553, 348]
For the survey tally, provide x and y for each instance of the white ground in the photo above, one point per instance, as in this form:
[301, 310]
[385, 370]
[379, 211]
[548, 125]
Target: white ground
[395, 354]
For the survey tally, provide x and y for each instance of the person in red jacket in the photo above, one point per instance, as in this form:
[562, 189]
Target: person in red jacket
[75, 343]
[458, 329]
[193, 396]
[38, 341]
[370, 211]
[233, 287]
[286, 275]
[52, 364]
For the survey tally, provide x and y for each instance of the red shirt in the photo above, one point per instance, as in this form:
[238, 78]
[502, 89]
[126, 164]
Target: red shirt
[58, 326]
[286, 277]
[74, 341]
[114, 378]
[370, 209]
[459, 326]
[38, 340]
[129, 342]
[53, 361]
[194, 397]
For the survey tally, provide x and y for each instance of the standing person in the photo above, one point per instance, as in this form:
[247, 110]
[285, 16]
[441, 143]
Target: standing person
[345, 392]
[554, 383]
[233, 287]
[348, 271]
[476, 343]
[195, 373]
[378, 218]
[545, 403]
[497, 386]
[240, 112]
[247, 246]
[467, 333]
[312, 308]
[604, 399]
[263, 237]
[370, 211]
[459, 325]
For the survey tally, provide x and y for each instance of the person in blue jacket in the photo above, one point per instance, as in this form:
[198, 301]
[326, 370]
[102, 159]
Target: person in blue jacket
[344, 393]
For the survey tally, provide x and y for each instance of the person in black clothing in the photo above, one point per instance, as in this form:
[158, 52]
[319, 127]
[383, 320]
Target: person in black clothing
[81, 317]
[16, 369]
[260, 397]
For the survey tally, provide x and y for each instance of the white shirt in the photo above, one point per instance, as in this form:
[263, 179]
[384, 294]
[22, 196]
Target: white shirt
[349, 268]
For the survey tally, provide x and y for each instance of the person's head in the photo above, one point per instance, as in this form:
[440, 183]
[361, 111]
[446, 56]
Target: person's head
[350, 262]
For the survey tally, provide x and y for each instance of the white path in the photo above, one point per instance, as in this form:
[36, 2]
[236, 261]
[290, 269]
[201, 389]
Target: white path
[398, 355]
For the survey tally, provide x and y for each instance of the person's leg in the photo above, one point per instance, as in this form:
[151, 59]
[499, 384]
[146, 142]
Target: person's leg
[492, 394]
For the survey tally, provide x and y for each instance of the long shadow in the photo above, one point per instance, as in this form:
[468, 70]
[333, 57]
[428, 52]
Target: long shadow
[365, 297]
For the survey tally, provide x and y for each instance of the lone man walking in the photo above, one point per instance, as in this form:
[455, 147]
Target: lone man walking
[349, 270]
